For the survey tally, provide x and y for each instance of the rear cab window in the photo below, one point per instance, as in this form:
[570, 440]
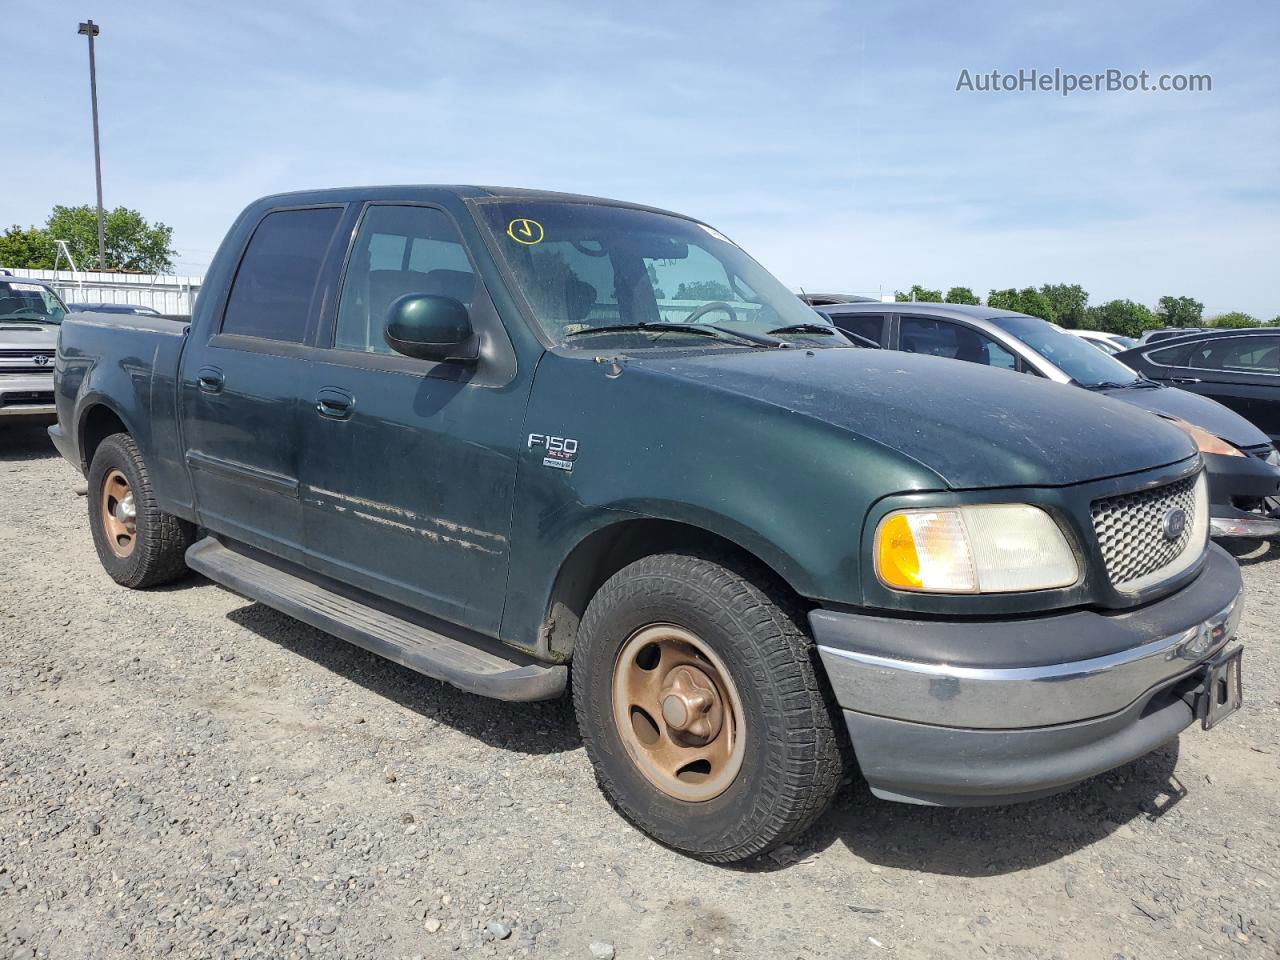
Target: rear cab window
[271, 295]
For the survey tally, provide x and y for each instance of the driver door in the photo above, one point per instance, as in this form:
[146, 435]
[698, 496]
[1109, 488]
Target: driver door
[409, 467]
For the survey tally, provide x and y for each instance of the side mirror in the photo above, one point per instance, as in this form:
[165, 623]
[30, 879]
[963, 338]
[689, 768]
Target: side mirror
[431, 327]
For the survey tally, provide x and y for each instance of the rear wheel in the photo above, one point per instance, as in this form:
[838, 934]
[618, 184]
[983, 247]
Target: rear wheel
[700, 707]
[139, 545]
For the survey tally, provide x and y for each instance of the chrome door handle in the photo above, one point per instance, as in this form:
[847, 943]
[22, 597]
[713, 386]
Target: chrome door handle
[334, 404]
[210, 380]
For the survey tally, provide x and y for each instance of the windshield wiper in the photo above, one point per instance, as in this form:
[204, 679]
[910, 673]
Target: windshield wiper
[1138, 383]
[698, 329]
[807, 328]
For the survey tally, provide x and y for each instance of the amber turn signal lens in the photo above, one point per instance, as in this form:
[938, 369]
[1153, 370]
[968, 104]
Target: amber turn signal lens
[897, 562]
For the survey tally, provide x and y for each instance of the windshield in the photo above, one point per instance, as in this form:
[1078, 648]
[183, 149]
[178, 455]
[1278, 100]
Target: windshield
[30, 302]
[585, 267]
[1077, 358]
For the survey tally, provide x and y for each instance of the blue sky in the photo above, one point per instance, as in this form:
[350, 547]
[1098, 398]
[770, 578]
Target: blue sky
[826, 138]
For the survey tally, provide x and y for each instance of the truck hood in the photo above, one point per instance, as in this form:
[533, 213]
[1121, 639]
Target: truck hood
[1198, 411]
[973, 426]
[15, 336]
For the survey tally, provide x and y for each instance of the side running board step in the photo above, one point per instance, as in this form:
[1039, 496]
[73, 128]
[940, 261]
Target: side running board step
[481, 667]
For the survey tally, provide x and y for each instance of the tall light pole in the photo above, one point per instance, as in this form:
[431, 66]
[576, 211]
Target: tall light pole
[90, 30]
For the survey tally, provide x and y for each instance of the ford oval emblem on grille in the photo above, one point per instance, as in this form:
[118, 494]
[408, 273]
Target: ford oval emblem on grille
[1175, 521]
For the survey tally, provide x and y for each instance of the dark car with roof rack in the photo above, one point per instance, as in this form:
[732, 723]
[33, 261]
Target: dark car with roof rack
[532, 443]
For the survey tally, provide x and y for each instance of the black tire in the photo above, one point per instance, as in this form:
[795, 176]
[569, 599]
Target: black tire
[161, 540]
[792, 764]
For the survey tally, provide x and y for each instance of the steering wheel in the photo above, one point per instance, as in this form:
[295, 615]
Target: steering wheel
[708, 308]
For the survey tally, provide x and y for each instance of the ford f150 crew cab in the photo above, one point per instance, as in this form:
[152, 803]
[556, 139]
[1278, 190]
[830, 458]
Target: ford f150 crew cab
[522, 441]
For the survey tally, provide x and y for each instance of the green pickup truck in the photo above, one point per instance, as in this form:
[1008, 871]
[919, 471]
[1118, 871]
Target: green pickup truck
[524, 442]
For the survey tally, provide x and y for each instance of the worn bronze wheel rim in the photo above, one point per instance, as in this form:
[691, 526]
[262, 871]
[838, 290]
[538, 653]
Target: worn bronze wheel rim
[678, 713]
[119, 514]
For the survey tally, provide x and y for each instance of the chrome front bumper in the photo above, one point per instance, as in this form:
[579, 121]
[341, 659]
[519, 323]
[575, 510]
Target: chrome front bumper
[1015, 697]
[19, 387]
[962, 712]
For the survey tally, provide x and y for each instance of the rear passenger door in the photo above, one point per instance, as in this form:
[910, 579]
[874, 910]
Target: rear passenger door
[241, 382]
[409, 469]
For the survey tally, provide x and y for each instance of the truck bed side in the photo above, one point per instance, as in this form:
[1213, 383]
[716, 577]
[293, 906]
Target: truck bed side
[122, 370]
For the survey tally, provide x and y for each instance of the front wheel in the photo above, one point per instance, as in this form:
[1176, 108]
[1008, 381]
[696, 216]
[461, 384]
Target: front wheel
[700, 707]
[139, 545]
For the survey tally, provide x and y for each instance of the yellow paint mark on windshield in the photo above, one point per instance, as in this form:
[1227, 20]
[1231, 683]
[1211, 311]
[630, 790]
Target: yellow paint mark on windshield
[523, 230]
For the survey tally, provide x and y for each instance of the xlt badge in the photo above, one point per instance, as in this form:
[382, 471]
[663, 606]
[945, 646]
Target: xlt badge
[557, 452]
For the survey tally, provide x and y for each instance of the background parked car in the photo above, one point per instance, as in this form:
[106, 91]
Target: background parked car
[1238, 368]
[1243, 466]
[1106, 342]
[30, 313]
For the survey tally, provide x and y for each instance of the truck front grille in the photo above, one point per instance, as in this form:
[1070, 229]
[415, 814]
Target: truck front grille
[1138, 536]
[26, 360]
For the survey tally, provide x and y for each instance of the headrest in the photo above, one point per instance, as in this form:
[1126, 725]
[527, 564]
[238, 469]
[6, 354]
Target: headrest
[459, 284]
[579, 298]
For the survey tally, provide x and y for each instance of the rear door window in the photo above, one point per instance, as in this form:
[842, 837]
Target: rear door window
[1255, 355]
[942, 338]
[271, 295]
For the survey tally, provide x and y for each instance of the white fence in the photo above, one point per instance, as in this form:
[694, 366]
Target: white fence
[168, 294]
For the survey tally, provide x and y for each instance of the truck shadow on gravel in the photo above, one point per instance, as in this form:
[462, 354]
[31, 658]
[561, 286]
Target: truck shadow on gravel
[973, 842]
[1249, 552]
[528, 728]
[25, 441]
[991, 841]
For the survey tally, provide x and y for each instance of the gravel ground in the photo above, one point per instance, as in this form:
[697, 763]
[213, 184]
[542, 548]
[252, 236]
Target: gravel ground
[184, 773]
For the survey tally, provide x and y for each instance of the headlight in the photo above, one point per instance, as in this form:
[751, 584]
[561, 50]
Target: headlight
[1273, 458]
[1205, 440]
[992, 548]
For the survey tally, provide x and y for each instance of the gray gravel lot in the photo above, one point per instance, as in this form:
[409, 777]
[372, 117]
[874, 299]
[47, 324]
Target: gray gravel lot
[184, 773]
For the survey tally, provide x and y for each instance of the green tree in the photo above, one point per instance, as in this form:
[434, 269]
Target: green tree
[1179, 311]
[31, 249]
[961, 295]
[1123, 317]
[704, 290]
[1234, 319]
[1068, 301]
[132, 244]
[1028, 300]
[918, 294]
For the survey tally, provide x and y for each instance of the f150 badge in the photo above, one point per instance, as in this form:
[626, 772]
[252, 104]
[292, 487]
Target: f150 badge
[557, 452]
